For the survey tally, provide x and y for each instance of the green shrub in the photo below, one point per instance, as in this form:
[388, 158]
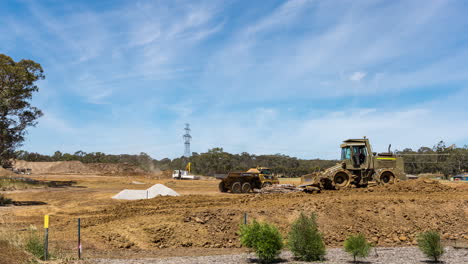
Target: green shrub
[263, 238]
[357, 246]
[429, 243]
[35, 244]
[305, 240]
[4, 200]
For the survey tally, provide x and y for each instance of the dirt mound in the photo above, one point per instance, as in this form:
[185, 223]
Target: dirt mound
[166, 174]
[77, 167]
[57, 167]
[5, 173]
[115, 169]
[419, 185]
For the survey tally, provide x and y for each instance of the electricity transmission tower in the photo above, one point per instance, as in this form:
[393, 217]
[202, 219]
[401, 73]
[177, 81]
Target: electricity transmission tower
[187, 138]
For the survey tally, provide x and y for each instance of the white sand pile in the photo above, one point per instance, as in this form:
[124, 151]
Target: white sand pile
[131, 195]
[160, 189]
[153, 191]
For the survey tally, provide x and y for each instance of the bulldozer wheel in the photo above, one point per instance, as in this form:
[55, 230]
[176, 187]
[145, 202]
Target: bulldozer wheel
[236, 187]
[265, 184]
[387, 178]
[341, 180]
[222, 188]
[246, 187]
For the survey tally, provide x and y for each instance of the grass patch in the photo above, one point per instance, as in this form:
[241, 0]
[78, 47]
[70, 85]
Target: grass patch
[11, 183]
[4, 200]
[35, 244]
[12, 244]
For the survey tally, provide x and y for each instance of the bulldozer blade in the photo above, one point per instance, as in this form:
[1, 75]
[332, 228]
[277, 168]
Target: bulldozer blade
[311, 179]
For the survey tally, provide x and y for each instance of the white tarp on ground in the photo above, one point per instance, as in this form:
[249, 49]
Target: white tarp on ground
[153, 191]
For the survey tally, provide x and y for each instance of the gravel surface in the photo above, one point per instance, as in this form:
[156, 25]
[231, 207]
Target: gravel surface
[334, 255]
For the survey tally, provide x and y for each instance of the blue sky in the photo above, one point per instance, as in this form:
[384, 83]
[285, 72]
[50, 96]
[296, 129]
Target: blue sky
[294, 77]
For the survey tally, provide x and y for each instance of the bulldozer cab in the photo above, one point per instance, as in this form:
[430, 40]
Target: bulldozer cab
[355, 153]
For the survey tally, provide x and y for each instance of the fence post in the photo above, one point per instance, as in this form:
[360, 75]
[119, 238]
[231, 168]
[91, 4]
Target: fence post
[46, 236]
[79, 238]
[245, 218]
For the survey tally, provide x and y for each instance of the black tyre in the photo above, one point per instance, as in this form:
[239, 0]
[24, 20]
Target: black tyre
[387, 178]
[265, 184]
[236, 187]
[222, 188]
[246, 187]
[341, 180]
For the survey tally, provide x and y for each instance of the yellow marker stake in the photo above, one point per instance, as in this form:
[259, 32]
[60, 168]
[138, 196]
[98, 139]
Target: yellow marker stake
[46, 221]
[46, 236]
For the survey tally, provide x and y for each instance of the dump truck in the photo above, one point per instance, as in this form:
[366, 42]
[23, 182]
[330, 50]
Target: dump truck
[358, 166]
[244, 182]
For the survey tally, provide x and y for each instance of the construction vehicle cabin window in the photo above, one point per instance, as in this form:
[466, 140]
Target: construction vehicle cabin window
[345, 153]
[360, 152]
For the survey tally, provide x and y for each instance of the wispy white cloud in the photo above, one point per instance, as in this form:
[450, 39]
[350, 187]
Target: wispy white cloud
[357, 76]
[269, 80]
[369, 35]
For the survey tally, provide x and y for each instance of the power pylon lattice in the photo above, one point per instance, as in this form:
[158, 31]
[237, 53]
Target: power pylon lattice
[187, 138]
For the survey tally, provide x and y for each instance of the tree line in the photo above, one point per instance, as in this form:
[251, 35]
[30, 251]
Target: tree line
[438, 159]
[214, 161]
[447, 160]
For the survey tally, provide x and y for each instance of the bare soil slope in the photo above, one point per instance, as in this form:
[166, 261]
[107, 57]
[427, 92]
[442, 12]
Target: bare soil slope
[57, 167]
[205, 220]
[389, 216]
[77, 167]
[5, 173]
[115, 169]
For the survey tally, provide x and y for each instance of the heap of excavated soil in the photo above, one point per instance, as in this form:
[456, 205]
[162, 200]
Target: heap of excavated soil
[385, 217]
[57, 167]
[419, 185]
[5, 173]
[115, 169]
[77, 167]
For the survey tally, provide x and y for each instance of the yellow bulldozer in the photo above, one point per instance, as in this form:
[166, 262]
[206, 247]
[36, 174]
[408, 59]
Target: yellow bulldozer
[358, 166]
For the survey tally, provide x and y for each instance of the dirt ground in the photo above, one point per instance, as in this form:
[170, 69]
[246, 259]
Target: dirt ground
[205, 222]
[77, 167]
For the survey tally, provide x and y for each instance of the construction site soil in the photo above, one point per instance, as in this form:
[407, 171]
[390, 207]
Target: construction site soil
[204, 221]
[5, 173]
[77, 167]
